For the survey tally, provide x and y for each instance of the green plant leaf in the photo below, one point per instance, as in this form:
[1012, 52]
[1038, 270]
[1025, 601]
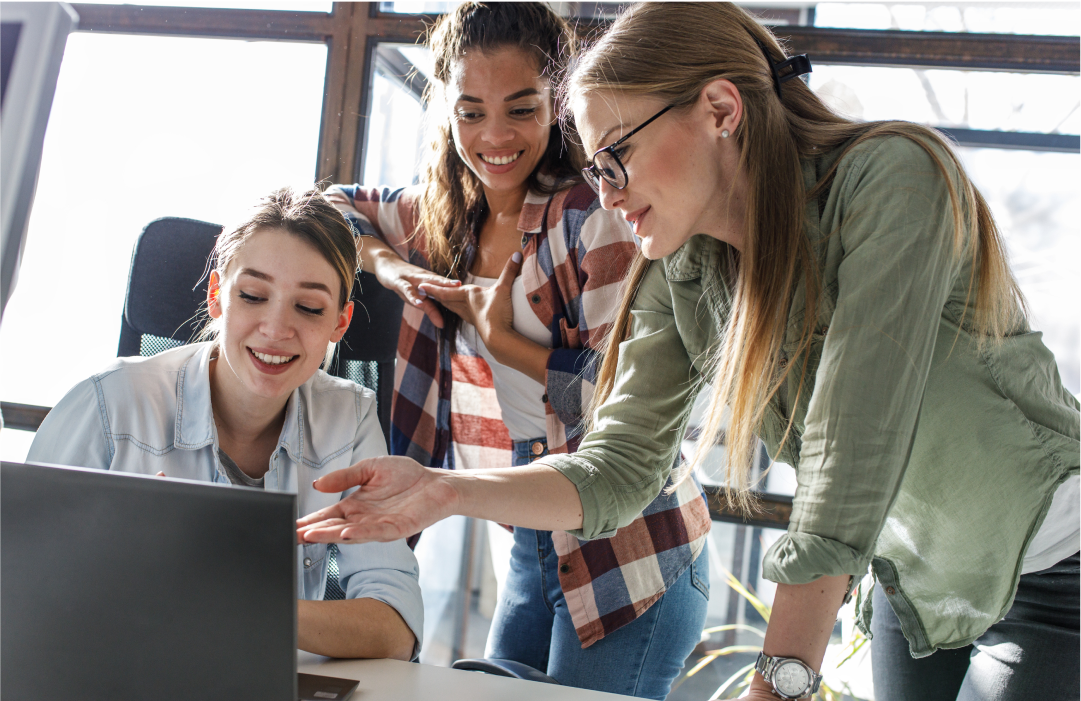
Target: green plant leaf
[736, 626]
[731, 680]
[733, 583]
[732, 649]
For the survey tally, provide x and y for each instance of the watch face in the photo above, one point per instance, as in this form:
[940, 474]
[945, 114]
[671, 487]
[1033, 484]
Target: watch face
[791, 679]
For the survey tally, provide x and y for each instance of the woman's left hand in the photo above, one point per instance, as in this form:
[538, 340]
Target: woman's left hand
[489, 309]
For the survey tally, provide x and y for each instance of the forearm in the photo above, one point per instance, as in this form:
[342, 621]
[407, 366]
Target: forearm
[801, 621]
[516, 351]
[373, 252]
[364, 628]
[533, 496]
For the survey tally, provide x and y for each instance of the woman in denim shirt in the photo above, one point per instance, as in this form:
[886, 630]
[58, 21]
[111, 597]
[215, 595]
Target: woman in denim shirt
[251, 407]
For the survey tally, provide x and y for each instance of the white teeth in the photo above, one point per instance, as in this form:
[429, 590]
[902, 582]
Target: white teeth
[272, 359]
[500, 160]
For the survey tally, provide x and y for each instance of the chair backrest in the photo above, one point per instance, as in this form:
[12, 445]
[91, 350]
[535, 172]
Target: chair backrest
[166, 285]
[167, 288]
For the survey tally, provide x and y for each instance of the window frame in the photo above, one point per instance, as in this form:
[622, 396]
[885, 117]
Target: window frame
[353, 31]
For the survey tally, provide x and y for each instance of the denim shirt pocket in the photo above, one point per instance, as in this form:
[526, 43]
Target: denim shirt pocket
[312, 565]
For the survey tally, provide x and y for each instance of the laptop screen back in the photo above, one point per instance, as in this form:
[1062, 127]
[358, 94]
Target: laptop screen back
[117, 586]
[9, 41]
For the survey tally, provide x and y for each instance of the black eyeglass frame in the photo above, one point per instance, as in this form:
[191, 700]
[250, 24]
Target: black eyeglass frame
[593, 174]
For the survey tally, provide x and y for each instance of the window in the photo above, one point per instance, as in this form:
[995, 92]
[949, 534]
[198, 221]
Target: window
[143, 127]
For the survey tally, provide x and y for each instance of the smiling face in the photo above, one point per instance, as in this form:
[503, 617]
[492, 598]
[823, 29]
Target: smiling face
[279, 309]
[679, 168]
[501, 116]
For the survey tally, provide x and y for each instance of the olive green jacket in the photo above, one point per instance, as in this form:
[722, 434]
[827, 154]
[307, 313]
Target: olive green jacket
[917, 452]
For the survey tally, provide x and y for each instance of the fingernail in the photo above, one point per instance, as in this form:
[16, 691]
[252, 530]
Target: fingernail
[423, 294]
[516, 257]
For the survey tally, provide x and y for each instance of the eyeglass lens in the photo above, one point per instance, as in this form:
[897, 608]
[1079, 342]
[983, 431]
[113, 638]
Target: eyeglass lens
[607, 166]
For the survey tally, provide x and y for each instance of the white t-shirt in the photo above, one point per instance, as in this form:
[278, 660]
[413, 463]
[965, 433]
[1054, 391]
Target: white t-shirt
[1060, 534]
[519, 395]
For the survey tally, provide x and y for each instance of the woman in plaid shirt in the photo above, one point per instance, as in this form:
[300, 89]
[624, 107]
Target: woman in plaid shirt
[526, 267]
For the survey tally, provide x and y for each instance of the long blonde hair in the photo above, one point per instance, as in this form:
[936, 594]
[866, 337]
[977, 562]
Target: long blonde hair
[647, 52]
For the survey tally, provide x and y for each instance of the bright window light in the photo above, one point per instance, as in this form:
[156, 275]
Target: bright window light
[144, 127]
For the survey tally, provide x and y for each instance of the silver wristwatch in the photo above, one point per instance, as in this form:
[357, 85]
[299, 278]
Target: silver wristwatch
[789, 677]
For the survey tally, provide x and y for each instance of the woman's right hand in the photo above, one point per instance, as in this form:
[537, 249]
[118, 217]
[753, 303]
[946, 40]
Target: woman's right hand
[405, 279]
[396, 497]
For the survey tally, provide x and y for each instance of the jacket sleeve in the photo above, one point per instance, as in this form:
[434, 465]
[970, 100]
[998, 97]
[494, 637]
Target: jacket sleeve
[75, 432]
[386, 572]
[387, 214]
[604, 250]
[896, 274]
[622, 464]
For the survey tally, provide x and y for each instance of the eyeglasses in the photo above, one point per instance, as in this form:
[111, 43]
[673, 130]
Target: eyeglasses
[606, 163]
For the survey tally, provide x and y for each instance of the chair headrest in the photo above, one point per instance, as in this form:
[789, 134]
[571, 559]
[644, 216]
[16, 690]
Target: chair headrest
[165, 289]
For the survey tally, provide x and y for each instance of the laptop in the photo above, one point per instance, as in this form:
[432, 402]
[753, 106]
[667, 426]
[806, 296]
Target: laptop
[120, 586]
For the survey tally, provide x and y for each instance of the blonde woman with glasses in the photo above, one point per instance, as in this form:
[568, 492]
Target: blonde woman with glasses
[844, 289]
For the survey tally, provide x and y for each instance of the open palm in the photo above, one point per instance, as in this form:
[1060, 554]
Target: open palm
[396, 498]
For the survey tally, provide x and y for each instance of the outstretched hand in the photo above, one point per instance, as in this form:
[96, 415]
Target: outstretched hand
[396, 498]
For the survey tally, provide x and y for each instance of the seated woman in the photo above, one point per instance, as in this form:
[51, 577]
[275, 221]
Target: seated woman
[250, 406]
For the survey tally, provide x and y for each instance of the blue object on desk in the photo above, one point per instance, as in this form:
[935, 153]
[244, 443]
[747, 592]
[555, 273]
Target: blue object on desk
[504, 668]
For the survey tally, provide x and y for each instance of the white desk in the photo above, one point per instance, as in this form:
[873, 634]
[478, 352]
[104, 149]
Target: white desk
[394, 680]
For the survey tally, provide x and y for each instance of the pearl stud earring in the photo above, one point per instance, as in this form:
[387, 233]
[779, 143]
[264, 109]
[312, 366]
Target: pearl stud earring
[724, 134]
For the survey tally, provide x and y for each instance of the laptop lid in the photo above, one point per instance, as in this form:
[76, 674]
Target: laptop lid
[120, 586]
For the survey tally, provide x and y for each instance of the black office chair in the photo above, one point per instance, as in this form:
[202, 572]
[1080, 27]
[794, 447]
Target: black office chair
[167, 290]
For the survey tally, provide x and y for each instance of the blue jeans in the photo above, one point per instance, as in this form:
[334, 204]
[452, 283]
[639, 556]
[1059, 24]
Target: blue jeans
[532, 624]
[1030, 654]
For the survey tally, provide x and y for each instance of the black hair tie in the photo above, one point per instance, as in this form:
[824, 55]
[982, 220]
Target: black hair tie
[800, 65]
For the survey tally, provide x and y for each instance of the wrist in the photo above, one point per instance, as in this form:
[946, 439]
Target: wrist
[457, 485]
[501, 343]
[760, 684]
[382, 255]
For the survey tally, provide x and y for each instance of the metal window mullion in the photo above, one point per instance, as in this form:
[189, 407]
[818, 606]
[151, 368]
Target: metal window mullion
[205, 22]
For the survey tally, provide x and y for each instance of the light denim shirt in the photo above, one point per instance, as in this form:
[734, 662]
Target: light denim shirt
[150, 415]
[918, 451]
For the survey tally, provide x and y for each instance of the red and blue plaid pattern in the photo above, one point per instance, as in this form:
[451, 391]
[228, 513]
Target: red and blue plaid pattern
[576, 255]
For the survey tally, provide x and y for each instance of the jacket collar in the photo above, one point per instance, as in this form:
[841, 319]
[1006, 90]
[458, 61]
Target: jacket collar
[195, 413]
[535, 208]
[693, 258]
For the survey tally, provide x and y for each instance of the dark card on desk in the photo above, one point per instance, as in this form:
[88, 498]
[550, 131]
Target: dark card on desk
[313, 687]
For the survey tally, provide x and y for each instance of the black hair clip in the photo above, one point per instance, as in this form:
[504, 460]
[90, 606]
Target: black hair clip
[800, 65]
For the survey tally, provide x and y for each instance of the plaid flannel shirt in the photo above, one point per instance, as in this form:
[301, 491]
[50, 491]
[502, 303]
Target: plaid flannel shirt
[576, 255]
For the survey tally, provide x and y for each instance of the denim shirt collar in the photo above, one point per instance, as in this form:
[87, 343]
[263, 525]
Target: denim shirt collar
[195, 413]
